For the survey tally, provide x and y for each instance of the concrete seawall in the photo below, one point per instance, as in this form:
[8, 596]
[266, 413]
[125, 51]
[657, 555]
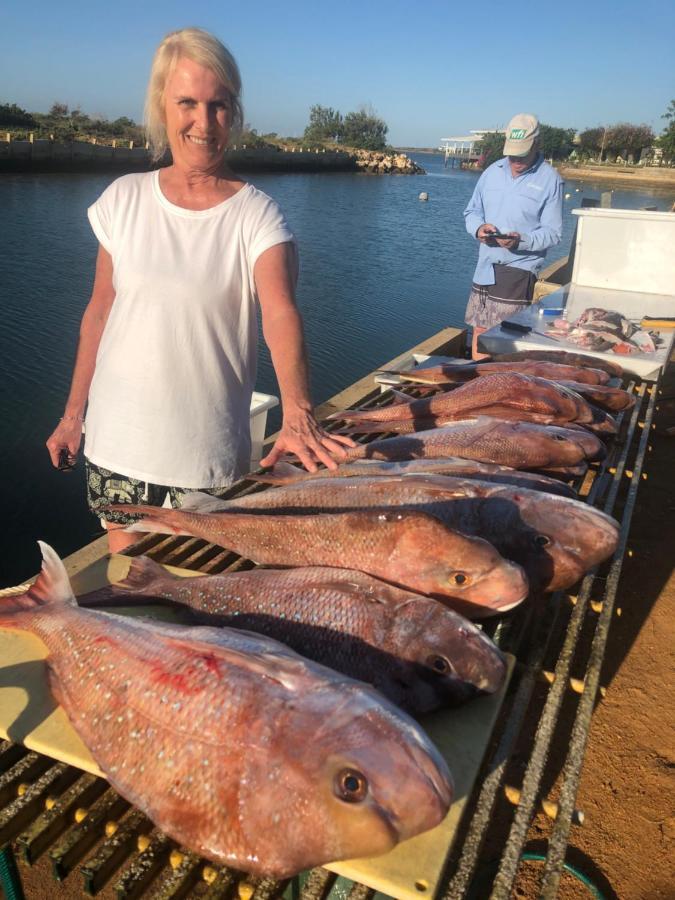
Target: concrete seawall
[80, 156]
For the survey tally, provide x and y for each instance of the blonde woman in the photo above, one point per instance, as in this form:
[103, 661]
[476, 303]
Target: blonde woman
[166, 361]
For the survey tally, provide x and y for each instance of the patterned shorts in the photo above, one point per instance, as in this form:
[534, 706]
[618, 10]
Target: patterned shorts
[105, 487]
[483, 312]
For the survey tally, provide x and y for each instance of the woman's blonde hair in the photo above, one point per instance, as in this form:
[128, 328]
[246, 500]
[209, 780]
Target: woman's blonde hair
[202, 48]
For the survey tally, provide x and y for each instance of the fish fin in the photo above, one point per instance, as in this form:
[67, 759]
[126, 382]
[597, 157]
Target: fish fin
[143, 572]
[281, 473]
[399, 397]
[154, 525]
[52, 584]
[199, 502]
[260, 655]
[366, 428]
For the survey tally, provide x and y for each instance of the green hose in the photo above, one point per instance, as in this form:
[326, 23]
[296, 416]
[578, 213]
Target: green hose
[9, 875]
[584, 879]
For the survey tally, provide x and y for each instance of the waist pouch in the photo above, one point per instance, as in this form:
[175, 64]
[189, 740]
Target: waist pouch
[512, 285]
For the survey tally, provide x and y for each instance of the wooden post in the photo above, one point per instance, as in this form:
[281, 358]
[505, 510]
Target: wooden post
[114, 143]
[131, 145]
[31, 137]
[9, 138]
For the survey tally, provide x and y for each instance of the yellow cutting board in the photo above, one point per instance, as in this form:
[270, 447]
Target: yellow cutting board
[413, 869]
[29, 716]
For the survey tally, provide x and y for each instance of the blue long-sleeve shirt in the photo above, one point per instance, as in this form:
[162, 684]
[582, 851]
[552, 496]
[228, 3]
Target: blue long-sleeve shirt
[530, 204]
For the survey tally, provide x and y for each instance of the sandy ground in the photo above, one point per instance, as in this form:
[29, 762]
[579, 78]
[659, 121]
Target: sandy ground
[655, 177]
[627, 791]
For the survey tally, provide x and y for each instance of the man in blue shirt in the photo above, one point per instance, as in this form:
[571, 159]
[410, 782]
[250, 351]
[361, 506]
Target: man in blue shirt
[520, 198]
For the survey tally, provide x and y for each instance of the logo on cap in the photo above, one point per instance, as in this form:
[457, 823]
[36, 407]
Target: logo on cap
[517, 134]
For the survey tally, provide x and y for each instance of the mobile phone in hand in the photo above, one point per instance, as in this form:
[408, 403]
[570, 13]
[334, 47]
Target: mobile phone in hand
[66, 461]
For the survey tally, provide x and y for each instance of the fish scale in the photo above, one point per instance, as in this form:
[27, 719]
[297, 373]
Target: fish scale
[577, 360]
[285, 473]
[208, 732]
[345, 619]
[551, 370]
[405, 547]
[514, 519]
[520, 445]
[529, 394]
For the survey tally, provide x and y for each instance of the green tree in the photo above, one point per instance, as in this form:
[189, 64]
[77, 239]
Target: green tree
[59, 110]
[248, 137]
[624, 139]
[666, 141]
[365, 130]
[11, 114]
[491, 148]
[591, 141]
[122, 123]
[325, 124]
[556, 143]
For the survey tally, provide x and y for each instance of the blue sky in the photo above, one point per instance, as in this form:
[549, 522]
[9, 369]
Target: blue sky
[429, 69]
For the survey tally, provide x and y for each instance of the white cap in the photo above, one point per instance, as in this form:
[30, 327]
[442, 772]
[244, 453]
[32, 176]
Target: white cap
[521, 133]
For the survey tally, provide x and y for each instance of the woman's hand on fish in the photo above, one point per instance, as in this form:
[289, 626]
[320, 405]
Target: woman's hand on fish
[64, 442]
[302, 436]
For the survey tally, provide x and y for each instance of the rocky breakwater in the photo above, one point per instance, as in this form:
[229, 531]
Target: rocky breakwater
[380, 163]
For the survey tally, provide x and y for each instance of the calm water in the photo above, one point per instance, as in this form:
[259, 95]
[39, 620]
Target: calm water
[380, 272]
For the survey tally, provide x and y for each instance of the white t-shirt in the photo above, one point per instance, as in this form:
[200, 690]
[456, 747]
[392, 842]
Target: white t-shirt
[170, 397]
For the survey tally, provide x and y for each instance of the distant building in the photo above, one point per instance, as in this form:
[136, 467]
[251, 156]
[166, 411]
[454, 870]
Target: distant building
[464, 147]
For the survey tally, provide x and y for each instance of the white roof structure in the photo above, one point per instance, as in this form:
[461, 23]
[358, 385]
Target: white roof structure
[465, 144]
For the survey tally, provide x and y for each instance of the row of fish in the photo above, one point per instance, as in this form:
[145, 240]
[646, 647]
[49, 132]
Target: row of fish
[512, 396]
[232, 743]
[273, 762]
[553, 539]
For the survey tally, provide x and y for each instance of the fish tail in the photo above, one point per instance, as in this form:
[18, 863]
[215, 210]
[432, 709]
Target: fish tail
[52, 586]
[133, 590]
[399, 397]
[154, 518]
[143, 573]
[373, 414]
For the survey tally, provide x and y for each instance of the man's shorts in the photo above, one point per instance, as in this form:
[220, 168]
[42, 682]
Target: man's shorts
[105, 487]
[483, 312]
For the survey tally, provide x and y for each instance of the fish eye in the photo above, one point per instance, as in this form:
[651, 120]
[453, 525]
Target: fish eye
[559, 437]
[439, 664]
[351, 785]
[459, 579]
[541, 540]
